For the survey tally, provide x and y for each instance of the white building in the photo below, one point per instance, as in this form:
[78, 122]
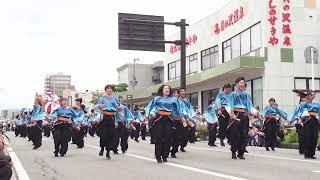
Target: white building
[262, 40]
[57, 83]
[146, 74]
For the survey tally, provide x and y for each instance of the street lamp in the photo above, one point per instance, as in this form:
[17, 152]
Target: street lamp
[134, 82]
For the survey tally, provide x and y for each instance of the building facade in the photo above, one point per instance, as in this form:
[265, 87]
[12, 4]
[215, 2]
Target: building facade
[146, 74]
[57, 83]
[264, 41]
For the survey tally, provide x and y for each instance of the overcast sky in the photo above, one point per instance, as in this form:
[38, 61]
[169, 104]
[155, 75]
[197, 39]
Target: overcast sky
[76, 37]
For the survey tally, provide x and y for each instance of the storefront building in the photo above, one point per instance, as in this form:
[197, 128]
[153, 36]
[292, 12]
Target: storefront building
[264, 41]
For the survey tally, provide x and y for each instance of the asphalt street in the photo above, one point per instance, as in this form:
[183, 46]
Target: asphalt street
[199, 162]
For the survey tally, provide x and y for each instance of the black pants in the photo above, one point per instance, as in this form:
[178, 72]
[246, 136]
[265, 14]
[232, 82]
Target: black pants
[36, 132]
[30, 132]
[179, 136]
[162, 131]
[106, 132]
[310, 130]
[192, 134]
[223, 123]
[212, 131]
[23, 131]
[5, 172]
[121, 137]
[270, 131]
[78, 135]
[17, 131]
[92, 129]
[137, 131]
[143, 131]
[238, 133]
[300, 132]
[61, 135]
[46, 130]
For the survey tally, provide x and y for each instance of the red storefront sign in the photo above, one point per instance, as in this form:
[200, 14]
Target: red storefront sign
[273, 39]
[227, 22]
[190, 40]
[286, 23]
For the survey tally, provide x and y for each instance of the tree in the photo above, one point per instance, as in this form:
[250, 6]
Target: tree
[95, 97]
[120, 87]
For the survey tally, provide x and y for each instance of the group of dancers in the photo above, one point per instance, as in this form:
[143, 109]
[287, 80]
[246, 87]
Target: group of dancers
[171, 120]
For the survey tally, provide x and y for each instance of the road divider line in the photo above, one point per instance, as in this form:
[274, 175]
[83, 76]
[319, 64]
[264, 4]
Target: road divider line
[260, 155]
[19, 169]
[189, 168]
[316, 171]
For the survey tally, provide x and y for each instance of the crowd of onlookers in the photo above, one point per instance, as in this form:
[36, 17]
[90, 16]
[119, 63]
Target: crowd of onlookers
[5, 160]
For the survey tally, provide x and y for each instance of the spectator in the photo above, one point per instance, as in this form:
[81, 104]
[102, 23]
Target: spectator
[5, 162]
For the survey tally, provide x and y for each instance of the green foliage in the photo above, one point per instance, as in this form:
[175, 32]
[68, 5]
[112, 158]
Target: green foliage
[95, 97]
[291, 137]
[203, 133]
[120, 87]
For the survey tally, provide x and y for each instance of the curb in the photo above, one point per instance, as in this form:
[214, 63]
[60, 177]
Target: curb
[289, 146]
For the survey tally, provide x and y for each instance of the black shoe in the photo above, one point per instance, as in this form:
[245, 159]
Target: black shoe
[159, 160]
[272, 148]
[214, 145]
[136, 140]
[301, 152]
[36, 147]
[234, 156]
[55, 154]
[164, 160]
[143, 139]
[173, 156]
[222, 143]
[115, 152]
[101, 152]
[267, 149]
[108, 156]
[29, 139]
[123, 151]
[240, 157]
[307, 157]
[62, 154]
[312, 157]
[182, 150]
[246, 151]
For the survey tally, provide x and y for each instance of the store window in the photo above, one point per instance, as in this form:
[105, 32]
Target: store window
[306, 83]
[209, 58]
[178, 69]
[206, 95]
[174, 68]
[235, 41]
[257, 92]
[193, 97]
[227, 51]
[243, 43]
[256, 37]
[193, 64]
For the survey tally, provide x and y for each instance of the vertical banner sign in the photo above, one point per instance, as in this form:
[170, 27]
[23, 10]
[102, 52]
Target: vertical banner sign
[286, 23]
[272, 12]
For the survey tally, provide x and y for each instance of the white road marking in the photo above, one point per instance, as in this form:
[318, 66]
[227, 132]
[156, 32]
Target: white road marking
[316, 171]
[202, 171]
[20, 171]
[259, 155]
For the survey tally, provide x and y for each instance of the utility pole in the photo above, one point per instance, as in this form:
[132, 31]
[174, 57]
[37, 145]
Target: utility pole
[134, 82]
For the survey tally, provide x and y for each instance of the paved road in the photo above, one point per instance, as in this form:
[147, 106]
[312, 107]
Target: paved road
[199, 162]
